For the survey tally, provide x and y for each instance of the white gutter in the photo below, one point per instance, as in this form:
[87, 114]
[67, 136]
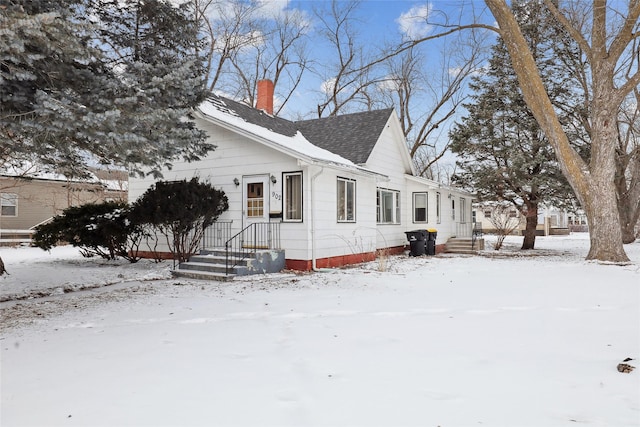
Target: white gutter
[434, 185]
[314, 266]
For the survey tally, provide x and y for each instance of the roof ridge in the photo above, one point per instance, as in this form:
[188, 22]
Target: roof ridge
[351, 136]
[346, 116]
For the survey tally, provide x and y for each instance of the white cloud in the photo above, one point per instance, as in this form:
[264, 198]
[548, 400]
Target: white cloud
[454, 71]
[279, 9]
[271, 8]
[413, 23]
[327, 86]
[390, 83]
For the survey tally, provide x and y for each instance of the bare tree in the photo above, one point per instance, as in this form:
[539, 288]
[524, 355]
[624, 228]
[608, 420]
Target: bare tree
[604, 46]
[228, 27]
[505, 220]
[349, 78]
[280, 55]
[428, 98]
[247, 42]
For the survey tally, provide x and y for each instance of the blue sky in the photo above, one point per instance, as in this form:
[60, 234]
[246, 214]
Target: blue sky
[378, 22]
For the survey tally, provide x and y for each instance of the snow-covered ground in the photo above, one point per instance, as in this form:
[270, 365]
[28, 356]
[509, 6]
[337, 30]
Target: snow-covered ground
[505, 339]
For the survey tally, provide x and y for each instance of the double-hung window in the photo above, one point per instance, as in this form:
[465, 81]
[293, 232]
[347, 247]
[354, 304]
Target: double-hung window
[346, 200]
[420, 204]
[9, 204]
[388, 203]
[293, 197]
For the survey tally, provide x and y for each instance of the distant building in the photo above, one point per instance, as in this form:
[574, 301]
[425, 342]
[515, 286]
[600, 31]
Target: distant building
[30, 198]
[551, 220]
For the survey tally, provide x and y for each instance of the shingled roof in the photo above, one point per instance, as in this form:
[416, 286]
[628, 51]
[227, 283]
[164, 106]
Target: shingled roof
[351, 136]
[251, 115]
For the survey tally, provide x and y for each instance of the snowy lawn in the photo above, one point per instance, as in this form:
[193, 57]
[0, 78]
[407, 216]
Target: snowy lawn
[506, 339]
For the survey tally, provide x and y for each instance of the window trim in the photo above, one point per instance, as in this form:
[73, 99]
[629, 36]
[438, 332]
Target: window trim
[12, 199]
[438, 208]
[463, 210]
[395, 209]
[453, 209]
[426, 207]
[348, 182]
[285, 211]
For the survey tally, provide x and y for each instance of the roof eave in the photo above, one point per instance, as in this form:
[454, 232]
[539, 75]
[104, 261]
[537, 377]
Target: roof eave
[279, 147]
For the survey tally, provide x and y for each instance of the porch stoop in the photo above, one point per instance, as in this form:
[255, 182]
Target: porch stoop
[462, 245]
[210, 264]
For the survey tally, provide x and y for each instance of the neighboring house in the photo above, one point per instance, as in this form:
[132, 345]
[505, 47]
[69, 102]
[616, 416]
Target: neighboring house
[341, 188]
[29, 198]
[551, 220]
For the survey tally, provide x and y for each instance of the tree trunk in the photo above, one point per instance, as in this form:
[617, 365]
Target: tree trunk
[628, 229]
[529, 241]
[628, 189]
[593, 184]
[601, 200]
[604, 227]
[629, 211]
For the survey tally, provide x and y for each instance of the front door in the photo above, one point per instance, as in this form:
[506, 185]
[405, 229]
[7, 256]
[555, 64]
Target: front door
[255, 199]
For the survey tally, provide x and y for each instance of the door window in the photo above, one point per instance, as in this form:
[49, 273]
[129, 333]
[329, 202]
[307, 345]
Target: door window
[255, 199]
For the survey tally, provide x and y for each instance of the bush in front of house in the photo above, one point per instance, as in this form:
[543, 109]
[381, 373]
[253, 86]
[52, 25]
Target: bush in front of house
[101, 229]
[180, 211]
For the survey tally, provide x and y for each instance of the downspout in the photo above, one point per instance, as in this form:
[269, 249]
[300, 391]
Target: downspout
[313, 221]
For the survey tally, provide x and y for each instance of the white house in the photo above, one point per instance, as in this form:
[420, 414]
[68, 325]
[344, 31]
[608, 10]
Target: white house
[341, 189]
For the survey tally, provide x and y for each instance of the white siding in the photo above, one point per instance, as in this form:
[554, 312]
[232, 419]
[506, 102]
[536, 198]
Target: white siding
[390, 158]
[236, 156]
[333, 238]
[320, 235]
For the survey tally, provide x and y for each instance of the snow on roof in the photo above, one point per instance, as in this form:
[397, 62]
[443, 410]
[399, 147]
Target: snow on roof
[217, 109]
[34, 171]
[115, 185]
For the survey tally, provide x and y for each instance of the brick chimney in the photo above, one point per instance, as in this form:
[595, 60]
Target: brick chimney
[265, 96]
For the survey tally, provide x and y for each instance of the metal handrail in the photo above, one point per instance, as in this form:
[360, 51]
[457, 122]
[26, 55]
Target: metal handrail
[216, 234]
[477, 231]
[258, 235]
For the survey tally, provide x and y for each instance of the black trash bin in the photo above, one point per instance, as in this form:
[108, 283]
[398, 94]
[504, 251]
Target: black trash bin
[417, 239]
[431, 241]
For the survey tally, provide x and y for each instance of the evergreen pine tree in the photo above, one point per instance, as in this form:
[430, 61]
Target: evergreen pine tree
[153, 44]
[84, 81]
[503, 154]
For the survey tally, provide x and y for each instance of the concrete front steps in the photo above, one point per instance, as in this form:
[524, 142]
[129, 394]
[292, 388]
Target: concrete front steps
[462, 245]
[211, 265]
